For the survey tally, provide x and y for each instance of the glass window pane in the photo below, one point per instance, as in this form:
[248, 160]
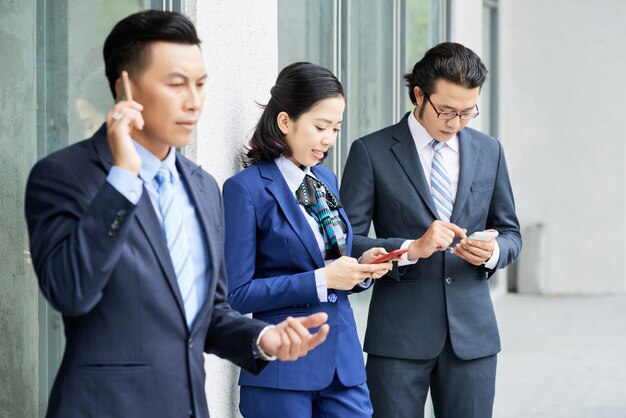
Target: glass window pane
[421, 32]
[89, 97]
[367, 68]
[487, 109]
[305, 32]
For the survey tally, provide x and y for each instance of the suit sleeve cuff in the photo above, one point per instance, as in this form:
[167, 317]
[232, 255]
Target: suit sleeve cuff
[130, 186]
[365, 284]
[493, 261]
[321, 285]
[404, 261]
[258, 351]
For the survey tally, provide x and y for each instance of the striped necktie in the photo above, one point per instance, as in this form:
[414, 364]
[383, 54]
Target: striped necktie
[177, 243]
[440, 183]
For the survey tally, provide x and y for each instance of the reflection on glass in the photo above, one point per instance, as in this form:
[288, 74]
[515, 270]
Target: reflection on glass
[93, 100]
[367, 68]
[486, 95]
[88, 93]
[305, 32]
[421, 33]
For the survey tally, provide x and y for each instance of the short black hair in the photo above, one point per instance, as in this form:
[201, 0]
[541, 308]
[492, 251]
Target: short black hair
[298, 88]
[126, 47]
[449, 61]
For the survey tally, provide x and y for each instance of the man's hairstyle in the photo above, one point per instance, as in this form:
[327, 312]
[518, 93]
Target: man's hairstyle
[298, 88]
[127, 46]
[448, 61]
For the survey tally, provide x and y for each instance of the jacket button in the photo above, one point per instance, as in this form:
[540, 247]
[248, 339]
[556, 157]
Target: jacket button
[332, 297]
[190, 343]
[449, 280]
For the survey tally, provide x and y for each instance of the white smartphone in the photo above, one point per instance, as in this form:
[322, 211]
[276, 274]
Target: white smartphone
[484, 235]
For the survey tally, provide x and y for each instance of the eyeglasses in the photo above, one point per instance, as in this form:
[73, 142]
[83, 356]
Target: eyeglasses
[452, 115]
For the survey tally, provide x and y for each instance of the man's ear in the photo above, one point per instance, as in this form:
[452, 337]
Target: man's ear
[419, 95]
[284, 122]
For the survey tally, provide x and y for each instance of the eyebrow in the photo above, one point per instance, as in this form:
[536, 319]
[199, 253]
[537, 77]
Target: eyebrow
[448, 107]
[326, 120]
[184, 77]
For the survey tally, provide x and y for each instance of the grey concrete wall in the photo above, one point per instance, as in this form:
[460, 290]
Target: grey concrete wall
[18, 289]
[562, 104]
[239, 41]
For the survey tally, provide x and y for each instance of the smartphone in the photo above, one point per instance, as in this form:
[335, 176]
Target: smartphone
[390, 256]
[484, 235]
[128, 95]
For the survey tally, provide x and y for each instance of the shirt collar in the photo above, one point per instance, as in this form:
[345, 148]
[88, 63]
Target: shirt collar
[293, 175]
[423, 139]
[150, 164]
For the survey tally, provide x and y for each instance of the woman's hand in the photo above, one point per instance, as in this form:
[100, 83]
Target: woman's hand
[345, 272]
[381, 268]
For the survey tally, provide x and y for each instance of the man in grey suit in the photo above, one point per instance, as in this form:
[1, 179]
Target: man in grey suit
[425, 183]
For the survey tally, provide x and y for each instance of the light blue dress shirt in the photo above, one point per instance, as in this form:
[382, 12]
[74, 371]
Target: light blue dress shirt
[131, 187]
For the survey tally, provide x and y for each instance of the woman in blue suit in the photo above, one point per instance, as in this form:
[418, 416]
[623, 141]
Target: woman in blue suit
[287, 250]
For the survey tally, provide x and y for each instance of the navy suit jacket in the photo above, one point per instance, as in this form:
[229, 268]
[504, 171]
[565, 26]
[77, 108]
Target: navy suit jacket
[414, 307]
[271, 255]
[104, 264]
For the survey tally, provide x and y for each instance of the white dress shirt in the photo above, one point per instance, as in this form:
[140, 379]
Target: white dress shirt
[451, 157]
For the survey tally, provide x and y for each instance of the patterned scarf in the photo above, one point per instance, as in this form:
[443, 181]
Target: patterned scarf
[320, 202]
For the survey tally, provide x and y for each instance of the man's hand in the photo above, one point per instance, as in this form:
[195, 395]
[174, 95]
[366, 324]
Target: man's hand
[291, 339]
[437, 238]
[123, 117]
[474, 251]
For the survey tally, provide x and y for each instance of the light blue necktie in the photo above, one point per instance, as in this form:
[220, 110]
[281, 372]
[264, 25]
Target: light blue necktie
[177, 242]
[440, 183]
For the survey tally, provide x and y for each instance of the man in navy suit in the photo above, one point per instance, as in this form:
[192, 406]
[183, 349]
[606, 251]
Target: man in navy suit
[138, 310]
[425, 183]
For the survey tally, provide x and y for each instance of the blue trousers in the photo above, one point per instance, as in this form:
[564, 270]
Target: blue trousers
[335, 401]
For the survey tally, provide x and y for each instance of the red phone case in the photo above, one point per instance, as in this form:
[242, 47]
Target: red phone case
[389, 256]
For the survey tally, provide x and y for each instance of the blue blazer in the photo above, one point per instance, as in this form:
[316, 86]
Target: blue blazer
[271, 255]
[415, 307]
[104, 264]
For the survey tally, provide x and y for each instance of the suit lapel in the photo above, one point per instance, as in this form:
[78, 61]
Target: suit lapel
[409, 160]
[469, 152]
[288, 204]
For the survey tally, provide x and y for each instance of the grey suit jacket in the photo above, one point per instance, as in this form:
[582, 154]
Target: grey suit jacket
[414, 307]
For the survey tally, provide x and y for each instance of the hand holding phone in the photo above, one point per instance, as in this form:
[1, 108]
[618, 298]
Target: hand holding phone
[484, 235]
[390, 256]
[122, 119]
